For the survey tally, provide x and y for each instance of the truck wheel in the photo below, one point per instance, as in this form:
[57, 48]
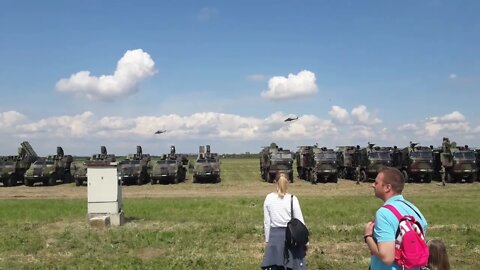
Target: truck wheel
[194, 179]
[363, 176]
[449, 178]
[428, 178]
[405, 175]
[10, 181]
[290, 176]
[28, 182]
[472, 178]
[218, 179]
[139, 181]
[153, 181]
[175, 179]
[335, 178]
[78, 182]
[314, 178]
[267, 178]
[52, 180]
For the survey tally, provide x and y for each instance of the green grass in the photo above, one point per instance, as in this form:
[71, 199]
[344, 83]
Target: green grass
[224, 231]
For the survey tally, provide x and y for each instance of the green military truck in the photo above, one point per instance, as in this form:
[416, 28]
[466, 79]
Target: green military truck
[134, 169]
[207, 166]
[13, 168]
[317, 164]
[273, 160]
[50, 169]
[170, 169]
[348, 160]
[455, 163]
[371, 160]
[78, 168]
[416, 163]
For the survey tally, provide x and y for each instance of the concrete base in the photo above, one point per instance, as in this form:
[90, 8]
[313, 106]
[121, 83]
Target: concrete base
[101, 220]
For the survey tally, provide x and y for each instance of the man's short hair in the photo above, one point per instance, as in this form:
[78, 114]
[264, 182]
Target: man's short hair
[394, 177]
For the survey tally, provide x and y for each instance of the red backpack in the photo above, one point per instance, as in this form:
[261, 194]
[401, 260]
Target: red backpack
[411, 250]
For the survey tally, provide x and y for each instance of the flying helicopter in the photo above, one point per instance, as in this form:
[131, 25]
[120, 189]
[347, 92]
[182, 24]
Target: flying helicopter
[160, 131]
[289, 119]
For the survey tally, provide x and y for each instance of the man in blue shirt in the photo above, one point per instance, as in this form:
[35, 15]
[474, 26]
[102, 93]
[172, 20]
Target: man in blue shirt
[379, 234]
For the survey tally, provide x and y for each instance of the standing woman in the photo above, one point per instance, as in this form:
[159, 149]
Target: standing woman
[276, 215]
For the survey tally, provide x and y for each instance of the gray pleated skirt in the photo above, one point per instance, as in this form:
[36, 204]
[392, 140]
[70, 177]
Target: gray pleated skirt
[274, 252]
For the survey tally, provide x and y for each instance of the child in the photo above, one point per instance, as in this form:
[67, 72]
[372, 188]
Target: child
[438, 259]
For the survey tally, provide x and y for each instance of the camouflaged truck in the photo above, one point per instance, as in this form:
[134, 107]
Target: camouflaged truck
[170, 169]
[455, 163]
[50, 169]
[13, 168]
[325, 166]
[371, 160]
[273, 160]
[207, 166]
[348, 159]
[304, 160]
[134, 169]
[416, 163]
[316, 164]
[78, 168]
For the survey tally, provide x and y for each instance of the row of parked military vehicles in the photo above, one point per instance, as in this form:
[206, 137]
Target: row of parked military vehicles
[449, 163]
[139, 168]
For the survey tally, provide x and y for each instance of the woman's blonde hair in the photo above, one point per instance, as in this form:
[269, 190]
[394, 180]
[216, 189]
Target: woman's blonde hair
[282, 184]
[438, 259]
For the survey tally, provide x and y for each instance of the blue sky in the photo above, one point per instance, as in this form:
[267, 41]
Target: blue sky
[81, 74]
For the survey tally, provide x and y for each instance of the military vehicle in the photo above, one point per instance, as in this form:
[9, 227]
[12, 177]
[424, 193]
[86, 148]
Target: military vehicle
[273, 160]
[305, 161]
[416, 163]
[348, 160]
[455, 163]
[372, 159]
[316, 164]
[13, 168]
[50, 169]
[325, 169]
[207, 166]
[78, 168]
[171, 168]
[134, 169]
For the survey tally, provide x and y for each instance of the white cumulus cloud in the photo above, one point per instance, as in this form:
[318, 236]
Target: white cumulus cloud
[10, 119]
[363, 116]
[60, 126]
[452, 122]
[132, 68]
[294, 86]
[339, 114]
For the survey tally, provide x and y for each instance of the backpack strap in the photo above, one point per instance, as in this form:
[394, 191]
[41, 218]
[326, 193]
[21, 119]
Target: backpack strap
[291, 207]
[394, 211]
[412, 209]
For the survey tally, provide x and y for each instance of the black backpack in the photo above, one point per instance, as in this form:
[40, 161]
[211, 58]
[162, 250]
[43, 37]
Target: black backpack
[297, 232]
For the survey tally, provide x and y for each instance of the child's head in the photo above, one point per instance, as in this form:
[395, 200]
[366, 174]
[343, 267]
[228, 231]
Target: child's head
[438, 259]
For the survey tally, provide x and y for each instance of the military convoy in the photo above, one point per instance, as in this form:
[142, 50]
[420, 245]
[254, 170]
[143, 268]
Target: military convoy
[207, 166]
[13, 168]
[78, 168]
[171, 168]
[50, 169]
[316, 164]
[449, 163]
[134, 169]
[273, 160]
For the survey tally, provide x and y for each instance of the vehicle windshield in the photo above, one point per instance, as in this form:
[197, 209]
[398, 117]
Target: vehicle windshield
[168, 161]
[201, 161]
[282, 156]
[379, 155]
[464, 155]
[49, 162]
[325, 156]
[421, 155]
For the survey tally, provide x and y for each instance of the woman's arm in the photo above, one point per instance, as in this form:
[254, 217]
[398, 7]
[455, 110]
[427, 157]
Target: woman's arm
[266, 220]
[297, 211]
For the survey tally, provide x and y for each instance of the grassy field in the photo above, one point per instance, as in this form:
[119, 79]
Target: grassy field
[208, 226]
